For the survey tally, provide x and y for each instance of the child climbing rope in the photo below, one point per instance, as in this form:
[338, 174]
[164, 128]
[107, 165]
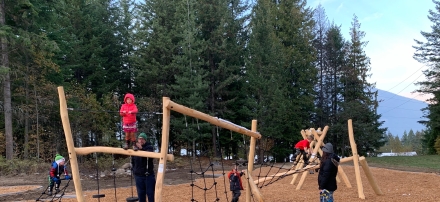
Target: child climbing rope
[235, 183]
[55, 172]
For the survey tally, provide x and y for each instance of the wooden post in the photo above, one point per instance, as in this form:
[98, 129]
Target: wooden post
[303, 133]
[355, 160]
[251, 162]
[369, 175]
[297, 167]
[344, 177]
[163, 150]
[253, 187]
[70, 145]
[301, 181]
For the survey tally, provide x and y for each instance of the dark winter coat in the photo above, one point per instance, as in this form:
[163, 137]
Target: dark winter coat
[141, 165]
[235, 181]
[56, 170]
[327, 173]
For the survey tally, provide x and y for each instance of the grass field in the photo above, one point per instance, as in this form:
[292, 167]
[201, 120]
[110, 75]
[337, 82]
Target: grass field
[428, 163]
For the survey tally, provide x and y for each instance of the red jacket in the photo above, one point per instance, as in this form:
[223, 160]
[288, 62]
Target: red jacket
[128, 117]
[303, 144]
[235, 180]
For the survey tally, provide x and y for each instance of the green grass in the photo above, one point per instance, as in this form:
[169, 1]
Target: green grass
[428, 163]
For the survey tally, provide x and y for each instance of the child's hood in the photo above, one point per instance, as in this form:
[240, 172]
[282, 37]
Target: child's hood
[129, 95]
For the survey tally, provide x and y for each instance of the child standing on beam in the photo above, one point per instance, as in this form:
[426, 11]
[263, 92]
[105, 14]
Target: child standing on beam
[128, 112]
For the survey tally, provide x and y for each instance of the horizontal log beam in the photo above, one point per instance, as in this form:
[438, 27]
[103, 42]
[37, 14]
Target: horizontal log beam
[113, 150]
[213, 120]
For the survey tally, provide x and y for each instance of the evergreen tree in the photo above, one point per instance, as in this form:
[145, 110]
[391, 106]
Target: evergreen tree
[405, 141]
[156, 43]
[335, 61]
[26, 28]
[94, 56]
[191, 86]
[280, 72]
[222, 32]
[427, 53]
[263, 75]
[124, 16]
[360, 99]
[322, 99]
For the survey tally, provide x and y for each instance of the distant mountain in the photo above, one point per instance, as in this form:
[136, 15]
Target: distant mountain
[400, 113]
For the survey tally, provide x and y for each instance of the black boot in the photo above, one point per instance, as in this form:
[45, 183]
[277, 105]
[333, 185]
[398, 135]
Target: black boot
[127, 144]
[57, 188]
[135, 148]
[50, 191]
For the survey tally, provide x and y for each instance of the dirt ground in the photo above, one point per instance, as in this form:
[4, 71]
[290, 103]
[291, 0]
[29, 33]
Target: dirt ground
[395, 185]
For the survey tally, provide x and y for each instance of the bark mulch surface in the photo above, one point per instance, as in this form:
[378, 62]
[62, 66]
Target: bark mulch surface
[396, 185]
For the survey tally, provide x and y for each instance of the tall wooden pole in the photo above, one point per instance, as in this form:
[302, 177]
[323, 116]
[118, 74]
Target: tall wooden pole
[251, 160]
[355, 160]
[163, 150]
[70, 145]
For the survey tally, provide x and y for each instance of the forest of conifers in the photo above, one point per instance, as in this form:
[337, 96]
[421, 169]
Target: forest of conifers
[279, 62]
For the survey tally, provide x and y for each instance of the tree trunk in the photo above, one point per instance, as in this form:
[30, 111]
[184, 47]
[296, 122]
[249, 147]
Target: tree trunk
[26, 116]
[38, 135]
[6, 89]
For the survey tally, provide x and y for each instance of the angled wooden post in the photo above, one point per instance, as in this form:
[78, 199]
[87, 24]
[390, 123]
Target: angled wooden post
[369, 175]
[70, 145]
[355, 160]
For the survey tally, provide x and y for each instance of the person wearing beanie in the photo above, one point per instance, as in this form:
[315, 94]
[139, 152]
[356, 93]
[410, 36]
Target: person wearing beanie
[143, 171]
[55, 172]
[303, 148]
[128, 112]
[328, 169]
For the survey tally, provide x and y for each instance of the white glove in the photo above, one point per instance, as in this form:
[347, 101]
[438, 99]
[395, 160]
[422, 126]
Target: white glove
[313, 155]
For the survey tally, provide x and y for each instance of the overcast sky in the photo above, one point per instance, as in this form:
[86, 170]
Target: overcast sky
[390, 27]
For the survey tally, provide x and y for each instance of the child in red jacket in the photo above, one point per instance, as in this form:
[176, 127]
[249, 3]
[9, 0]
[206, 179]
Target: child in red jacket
[128, 112]
[235, 183]
[303, 148]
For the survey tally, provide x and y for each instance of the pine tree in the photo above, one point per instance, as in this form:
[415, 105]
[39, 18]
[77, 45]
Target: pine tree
[427, 53]
[191, 86]
[93, 54]
[156, 43]
[360, 99]
[26, 29]
[262, 73]
[335, 61]
[322, 99]
[280, 72]
[221, 29]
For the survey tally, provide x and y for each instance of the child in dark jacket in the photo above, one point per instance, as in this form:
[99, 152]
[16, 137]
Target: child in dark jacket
[328, 170]
[128, 112]
[55, 172]
[235, 183]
